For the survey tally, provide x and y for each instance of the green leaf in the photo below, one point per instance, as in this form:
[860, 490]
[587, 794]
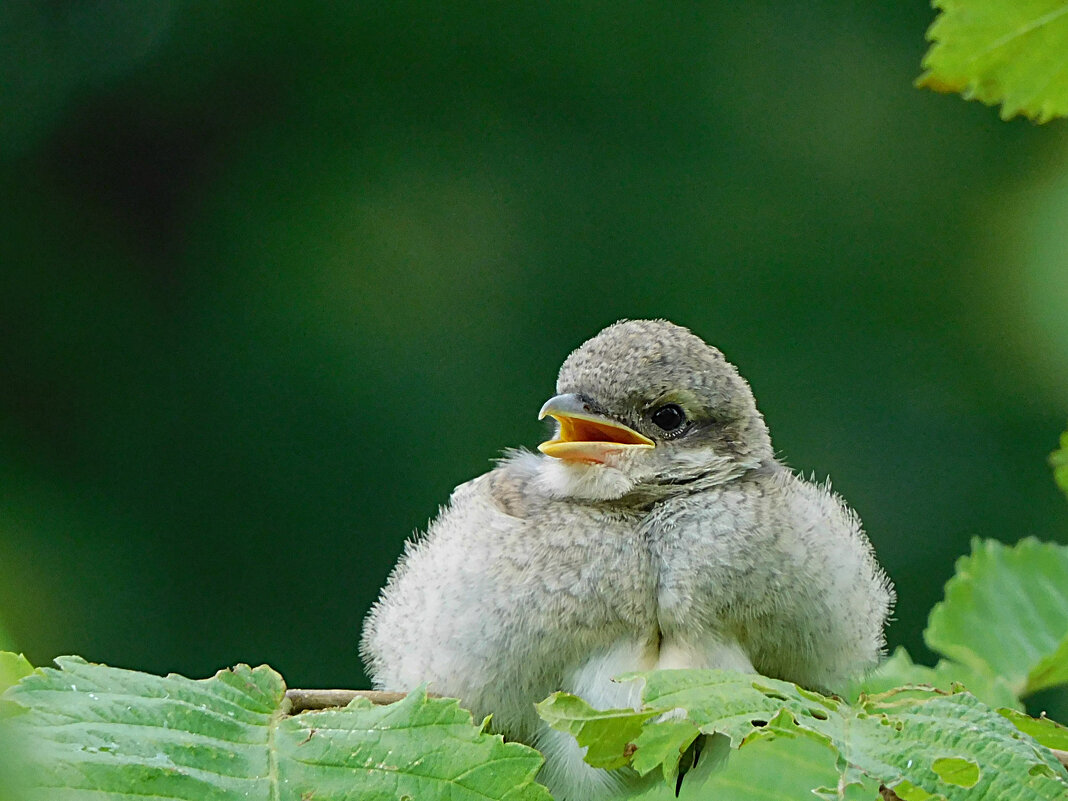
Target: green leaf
[12, 668]
[768, 769]
[1048, 732]
[607, 734]
[1005, 614]
[734, 704]
[899, 671]
[993, 691]
[1058, 460]
[919, 729]
[907, 791]
[1051, 670]
[1010, 52]
[906, 738]
[95, 732]
[662, 744]
[892, 738]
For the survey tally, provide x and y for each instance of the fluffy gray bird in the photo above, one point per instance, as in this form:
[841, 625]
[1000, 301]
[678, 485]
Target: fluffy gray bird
[655, 530]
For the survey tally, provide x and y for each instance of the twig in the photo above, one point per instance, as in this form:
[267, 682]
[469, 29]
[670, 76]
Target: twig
[307, 700]
[1061, 755]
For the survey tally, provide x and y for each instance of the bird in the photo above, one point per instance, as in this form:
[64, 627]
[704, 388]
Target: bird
[655, 529]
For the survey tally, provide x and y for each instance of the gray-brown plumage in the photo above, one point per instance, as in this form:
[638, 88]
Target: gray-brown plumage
[656, 530]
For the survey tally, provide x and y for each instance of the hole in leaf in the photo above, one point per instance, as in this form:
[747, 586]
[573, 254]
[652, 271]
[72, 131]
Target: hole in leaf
[759, 723]
[954, 770]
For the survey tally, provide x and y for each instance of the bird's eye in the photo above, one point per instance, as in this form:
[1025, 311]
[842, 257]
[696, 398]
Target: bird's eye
[669, 417]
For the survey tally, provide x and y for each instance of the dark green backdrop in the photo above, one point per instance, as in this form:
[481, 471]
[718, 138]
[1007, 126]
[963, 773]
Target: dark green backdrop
[272, 282]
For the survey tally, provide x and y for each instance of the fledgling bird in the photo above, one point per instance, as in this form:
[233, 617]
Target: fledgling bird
[656, 529]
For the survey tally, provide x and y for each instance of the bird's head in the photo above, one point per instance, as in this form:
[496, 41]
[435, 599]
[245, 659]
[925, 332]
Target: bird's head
[647, 406]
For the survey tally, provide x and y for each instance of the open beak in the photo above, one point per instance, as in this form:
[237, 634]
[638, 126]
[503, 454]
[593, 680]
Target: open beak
[584, 436]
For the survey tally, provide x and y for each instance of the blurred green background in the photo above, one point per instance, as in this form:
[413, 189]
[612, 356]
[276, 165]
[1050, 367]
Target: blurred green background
[275, 278]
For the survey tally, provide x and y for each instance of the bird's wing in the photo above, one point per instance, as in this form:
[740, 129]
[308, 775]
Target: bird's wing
[782, 567]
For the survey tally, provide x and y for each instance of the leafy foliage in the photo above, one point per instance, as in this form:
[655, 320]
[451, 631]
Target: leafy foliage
[787, 767]
[1010, 52]
[899, 670]
[1005, 614]
[97, 732]
[919, 742]
[1003, 628]
[1048, 732]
